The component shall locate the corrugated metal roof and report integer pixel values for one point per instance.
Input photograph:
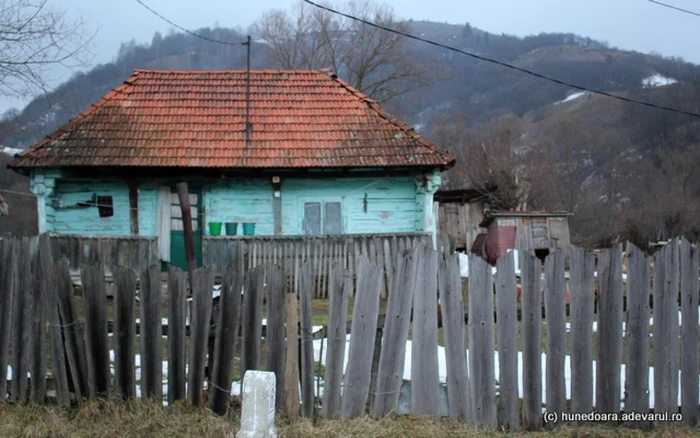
(300, 119)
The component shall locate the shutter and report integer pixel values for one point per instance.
(312, 218)
(332, 222)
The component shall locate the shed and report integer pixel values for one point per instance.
(459, 214)
(536, 232)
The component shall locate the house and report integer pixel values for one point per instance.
(536, 232)
(302, 153)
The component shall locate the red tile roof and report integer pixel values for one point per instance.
(300, 119)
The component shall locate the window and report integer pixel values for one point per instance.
(323, 217)
(105, 207)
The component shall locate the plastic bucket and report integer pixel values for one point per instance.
(215, 228)
(231, 228)
(249, 229)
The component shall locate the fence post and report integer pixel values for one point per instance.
(458, 388)
(689, 335)
(666, 354)
(532, 341)
(252, 320)
(391, 360)
(637, 332)
(507, 317)
(275, 327)
(21, 332)
(177, 331)
(308, 402)
(9, 262)
(95, 296)
(226, 337)
(582, 302)
(203, 283)
(364, 326)
(481, 363)
(609, 330)
(124, 331)
(291, 366)
(425, 379)
(555, 317)
(151, 335)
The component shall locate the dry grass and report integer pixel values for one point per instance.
(111, 418)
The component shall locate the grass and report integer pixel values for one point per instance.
(112, 418)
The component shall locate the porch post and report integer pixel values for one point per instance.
(43, 188)
(427, 190)
(277, 204)
(134, 205)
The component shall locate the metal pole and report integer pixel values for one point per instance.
(247, 95)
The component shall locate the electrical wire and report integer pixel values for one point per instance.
(245, 43)
(502, 64)
(675, 7)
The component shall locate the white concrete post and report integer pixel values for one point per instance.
(258, 411)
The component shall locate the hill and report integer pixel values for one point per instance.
(550, 118)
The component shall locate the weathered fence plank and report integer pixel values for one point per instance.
(666, 354)
(364, 326)
(37, 352)
(275, 327)
(340, 288)
(609, 330)
(398, 311)
(177, 296)
(689, 334)
(252, 320)
(458, 392)
(9, 271)
(22, 326)
(582, 303)
(532, 341)
(226, 337)
(507, 317)
(637, 332)
(291, 365)
(481, 363)
(425, 380)
(307, 347)
(74, 340)
(125, 331)
(95, 295)
(202, 285)
(58, 355)
(151, 335)
(555, 317)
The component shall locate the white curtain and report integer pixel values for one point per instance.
(163, 223)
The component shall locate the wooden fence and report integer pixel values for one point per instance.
(36, 300)
(137, 252)
(322, 252)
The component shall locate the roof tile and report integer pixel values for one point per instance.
(300, 119)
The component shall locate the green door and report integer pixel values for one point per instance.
(177, 234)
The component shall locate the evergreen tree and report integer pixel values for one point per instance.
(467, 31)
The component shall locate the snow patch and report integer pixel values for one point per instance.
(10, 151)
(657, 80)
(571, 97)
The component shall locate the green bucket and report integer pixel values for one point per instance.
(215, 228)
(231, 228)
(249, 229)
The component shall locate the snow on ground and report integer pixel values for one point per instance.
(571, 97)
(10, 151)
(657, 80)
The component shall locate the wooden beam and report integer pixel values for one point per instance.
(277, 204)
(134, 205)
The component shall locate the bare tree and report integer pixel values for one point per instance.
(376, 62)
(35, 37)
(491, 161)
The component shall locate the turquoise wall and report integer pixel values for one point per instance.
(369, 205)
(86, 220)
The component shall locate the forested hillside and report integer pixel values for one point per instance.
(545, 145)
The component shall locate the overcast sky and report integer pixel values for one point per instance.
(628, 24)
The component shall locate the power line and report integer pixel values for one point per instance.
(502, 64)
(189, 31)
(675, 7)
